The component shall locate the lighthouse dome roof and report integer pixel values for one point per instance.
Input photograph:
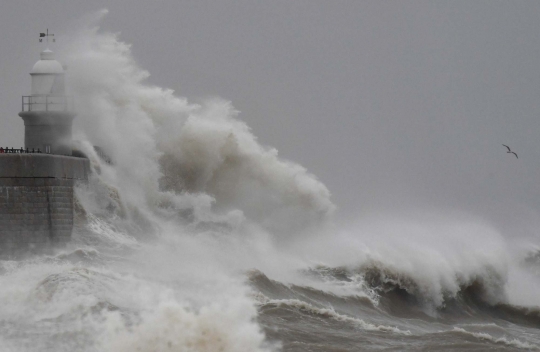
(47, 64)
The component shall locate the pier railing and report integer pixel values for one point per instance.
(47, 103)
(12, 150)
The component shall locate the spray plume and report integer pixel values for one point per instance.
(168, 151)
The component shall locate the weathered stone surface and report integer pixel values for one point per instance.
(49, 167)
(35, 213)
(36, 200)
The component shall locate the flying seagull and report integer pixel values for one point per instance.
(510, 151)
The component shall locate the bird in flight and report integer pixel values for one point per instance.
(510, 151)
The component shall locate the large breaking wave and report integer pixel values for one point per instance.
(167, 151)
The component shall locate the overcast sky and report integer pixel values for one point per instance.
(392, 104)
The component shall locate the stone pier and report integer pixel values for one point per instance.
(36, 200)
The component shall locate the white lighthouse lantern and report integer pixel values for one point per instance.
(47, 112)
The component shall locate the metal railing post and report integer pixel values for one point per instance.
(27, 102)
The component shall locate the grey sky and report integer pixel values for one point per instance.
(392, 104)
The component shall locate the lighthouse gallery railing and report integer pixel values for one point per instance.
(47, 103)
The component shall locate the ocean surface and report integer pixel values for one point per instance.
(207, 290)
(191, 236)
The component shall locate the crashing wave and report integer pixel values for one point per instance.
(500, 340)
(327, 313)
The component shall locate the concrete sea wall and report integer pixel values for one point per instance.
(35, 212)
(36, 200)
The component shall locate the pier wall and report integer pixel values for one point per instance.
(36, 200)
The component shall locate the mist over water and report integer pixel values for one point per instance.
(195, 237)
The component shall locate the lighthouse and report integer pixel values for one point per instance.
(48, 112)
(37, 182)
